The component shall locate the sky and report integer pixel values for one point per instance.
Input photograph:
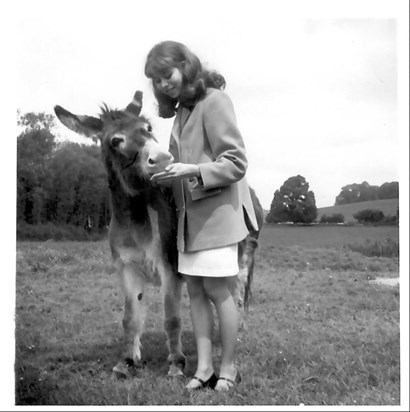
(314, 84)
(319, 87)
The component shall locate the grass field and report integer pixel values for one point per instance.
(318, 332)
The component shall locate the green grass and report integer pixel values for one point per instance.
(387, 206)
(324, 236)
(318, 331)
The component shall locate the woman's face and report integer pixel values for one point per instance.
(170, 84)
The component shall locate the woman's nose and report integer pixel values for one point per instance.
(164, 83)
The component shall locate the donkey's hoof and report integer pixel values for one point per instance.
(175, 372)
(180, 377)
(125, 369)
(176, 376)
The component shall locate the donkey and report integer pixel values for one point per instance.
(143, 226)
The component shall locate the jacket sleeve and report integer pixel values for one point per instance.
(225, 141)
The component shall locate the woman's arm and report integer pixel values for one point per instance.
(225, 141)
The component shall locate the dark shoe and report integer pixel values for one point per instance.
(210, 383)
(224, 384)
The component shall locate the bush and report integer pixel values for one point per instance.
(335, 218)
(369, 216)
(52, 231)
(390, 220)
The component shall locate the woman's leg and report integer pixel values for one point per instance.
(218, 291)
(202, 321)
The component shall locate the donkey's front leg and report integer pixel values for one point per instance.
(132, 283)
(172, 289)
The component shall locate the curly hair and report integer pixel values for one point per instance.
(168, 55)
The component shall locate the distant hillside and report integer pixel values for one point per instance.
(387, 206)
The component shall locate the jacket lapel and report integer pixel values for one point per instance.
(180, 120)
(184, 117)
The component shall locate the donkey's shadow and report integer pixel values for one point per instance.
(101, 357)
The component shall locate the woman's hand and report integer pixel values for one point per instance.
(176, 171)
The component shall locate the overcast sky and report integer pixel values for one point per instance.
(314, 84)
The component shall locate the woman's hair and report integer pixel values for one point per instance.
(168, 55)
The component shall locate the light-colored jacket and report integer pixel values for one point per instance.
(211, 214)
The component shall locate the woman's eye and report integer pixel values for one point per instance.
(167, 76)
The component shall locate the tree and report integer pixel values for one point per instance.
(293, 202)
(34, 148)
(389, 190)
(35, 121)
(368, 192)
(355, 192)
(349, 194)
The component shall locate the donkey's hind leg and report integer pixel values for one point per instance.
(242, 287)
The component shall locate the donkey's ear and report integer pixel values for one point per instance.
(136, 105)
(85, 125)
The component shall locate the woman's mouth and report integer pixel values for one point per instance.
(170, 91)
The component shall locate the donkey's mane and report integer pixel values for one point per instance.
(111, 114)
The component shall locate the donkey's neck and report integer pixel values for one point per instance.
(129, 205)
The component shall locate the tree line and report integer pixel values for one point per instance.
(64, 185)
(294, 202)
(362, 192)
(60, 184)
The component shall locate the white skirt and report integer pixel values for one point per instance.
(219, 262)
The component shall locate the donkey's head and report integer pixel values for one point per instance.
(131, 152)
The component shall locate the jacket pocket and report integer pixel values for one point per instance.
(197, 193)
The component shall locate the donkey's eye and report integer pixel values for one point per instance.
(149, 128)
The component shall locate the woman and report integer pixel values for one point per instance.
(215, 210)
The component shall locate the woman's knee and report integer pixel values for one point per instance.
(195, 286)
(216, 288)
